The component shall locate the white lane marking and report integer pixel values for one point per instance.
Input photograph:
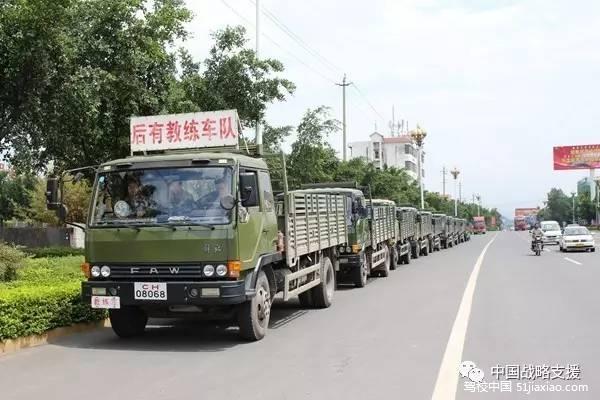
(573, 261)
(447, 380)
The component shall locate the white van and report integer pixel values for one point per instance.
(552, 232)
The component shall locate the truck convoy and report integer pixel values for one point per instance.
(191, 229)
(479, 226)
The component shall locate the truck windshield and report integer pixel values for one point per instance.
(173, 196)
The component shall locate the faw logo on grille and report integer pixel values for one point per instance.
(154, 270)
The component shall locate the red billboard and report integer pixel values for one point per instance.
(577, 157)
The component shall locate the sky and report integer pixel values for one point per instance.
(496, 84)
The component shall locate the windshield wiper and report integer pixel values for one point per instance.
(209, 226)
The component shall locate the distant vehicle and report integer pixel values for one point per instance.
(552, 232)
(520, 223)
(576, 237)
(512, 228)
(479, 225)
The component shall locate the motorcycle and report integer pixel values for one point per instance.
(537, 245)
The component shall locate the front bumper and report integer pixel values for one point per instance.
(178, 293)
(579, 245)
(550, 239)
(349, 262)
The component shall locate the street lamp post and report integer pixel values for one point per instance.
(478, 197)
(573, 197)
(455, 173)
(418, 136)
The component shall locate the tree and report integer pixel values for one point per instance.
(559, 207)
(312, 159)
(585, 209)
(76, 70)
(14, 193)
(77, 199)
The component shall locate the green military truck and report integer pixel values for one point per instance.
(440, 229)
(371, 234)
(199, 233)
(407, 220)
(424, 233)
(460, 229)
(453, 229)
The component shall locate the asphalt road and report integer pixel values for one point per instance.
(401, 337)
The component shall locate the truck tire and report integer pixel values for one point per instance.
(322, 294)
(385, 272)
(128, 321)
(394, 261)
(253, 316)
(305, 299)
(415, 250)
(425, 251)
(407, 258)
(360, 274)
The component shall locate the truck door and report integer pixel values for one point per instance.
(250, 232)
(269, 229)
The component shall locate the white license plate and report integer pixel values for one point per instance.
(343, 260)
(106, 302)
(150, 291)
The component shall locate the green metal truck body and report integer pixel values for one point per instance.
(407, 220)
(223, 252)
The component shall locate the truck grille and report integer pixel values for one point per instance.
(156, 272)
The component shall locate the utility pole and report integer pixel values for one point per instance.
(258, 122)
(343, 85)
(459, 191)
(444, 181)
(478, 205)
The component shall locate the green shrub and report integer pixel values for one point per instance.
(34, 309)
(11, 260)
(53, 251)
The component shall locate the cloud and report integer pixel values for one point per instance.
(495, 83)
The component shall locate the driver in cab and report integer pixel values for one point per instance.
(212, 201)
(179, 198)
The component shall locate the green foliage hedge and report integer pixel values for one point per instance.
(45, 295)
(32, 310)
(11, 260)
(54, 251)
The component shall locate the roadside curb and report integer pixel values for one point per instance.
(13, 345)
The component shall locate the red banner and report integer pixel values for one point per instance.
(577, 157)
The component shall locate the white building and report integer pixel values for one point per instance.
(396, 151)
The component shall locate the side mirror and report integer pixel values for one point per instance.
(52, 202)
(228, 202)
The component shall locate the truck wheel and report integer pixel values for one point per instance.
(385, 272)
(425, 251)
(305, 299)
(394, 257)
(415, 250)
(128, 322)
(253, 315)
(359, 275)
(407, 258)
(322, 294)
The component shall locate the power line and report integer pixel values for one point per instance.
(368, 102)
(278, 45)
(281, 25)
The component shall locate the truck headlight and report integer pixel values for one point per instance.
(208, 270)
(221, 270)
(105, 271)
(95, 271)
(341, 249)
